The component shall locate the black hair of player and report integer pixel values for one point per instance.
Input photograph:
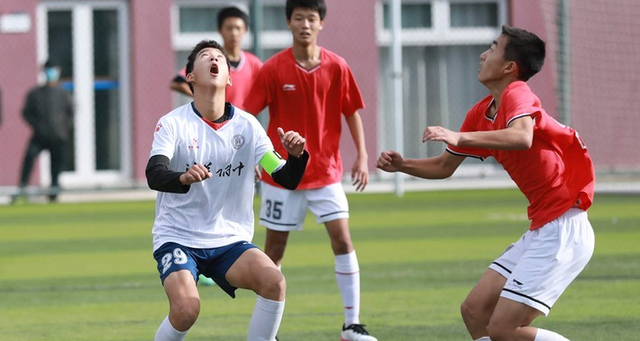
(199, 47)
(314, 5)
(232, 12)
(524, 48)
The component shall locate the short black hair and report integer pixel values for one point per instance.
(524, 48)
(199, 47)
(232, 12)
(314, 5)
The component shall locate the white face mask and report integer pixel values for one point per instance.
(52, 74)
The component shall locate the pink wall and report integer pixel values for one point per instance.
(529, 16)
(604, 71)
(152, 64)
(18, 73)
(151, 69)
(604, 85)
(350, 32)
(605, 80)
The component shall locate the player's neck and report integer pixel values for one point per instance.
(496, 88)
(209, 103)
(307, 56)
(234, 53)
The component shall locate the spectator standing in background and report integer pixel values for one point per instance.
(48, 110)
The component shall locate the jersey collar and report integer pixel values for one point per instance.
(229, 111)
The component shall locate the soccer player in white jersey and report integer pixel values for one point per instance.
(201, 164)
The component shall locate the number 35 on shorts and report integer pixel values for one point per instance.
(274, 209)
(176, 257)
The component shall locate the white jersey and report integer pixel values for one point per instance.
(219, 210)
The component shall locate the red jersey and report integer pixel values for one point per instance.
(310, 102)
(555, 174)
(242, 77)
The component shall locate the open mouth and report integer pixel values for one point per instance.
(214, 69)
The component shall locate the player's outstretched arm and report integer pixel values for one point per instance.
(161, 178)
(517, 136)
(439, 167)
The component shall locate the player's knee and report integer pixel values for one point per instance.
(498, 332)
(341, 246)
(273, 286)
(184, 313)
(468, 312)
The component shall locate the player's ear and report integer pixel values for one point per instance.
(229, 81)
(511, 67)
(189, 77)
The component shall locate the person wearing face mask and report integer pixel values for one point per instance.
(48, 110)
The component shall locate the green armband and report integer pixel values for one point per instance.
(271, 161)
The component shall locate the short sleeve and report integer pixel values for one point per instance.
(352, 100)
(182, 75)
(518, 101)
(164, 139)
(471, 123)
(259, 96)
(263, 143)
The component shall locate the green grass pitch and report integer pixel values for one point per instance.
(85, 271)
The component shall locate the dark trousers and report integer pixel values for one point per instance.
(56, 148)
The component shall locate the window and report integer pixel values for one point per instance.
(413, 15)
(274, 17)
(441, 45)
(474, 15)
(275, 34)
(198, 19)
(193, 21)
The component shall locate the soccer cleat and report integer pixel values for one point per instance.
(356, 332)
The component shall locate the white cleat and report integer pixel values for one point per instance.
(356, 332)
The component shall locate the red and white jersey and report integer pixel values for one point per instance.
(310, 102)
(219, 210)
(555, 174)
(242, 77)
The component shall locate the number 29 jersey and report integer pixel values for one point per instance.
(217, 211)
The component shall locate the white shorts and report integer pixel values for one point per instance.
(542, 264)
(285, 210)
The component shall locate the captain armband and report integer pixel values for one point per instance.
(271, 162)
